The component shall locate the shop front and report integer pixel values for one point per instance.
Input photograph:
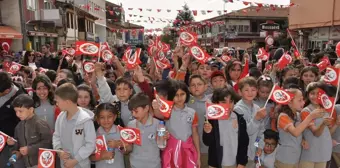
(41, 38)
(8, 36)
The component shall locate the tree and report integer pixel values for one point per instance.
(184, 17)
(166, 37)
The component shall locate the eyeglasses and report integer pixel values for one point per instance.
(268, 145)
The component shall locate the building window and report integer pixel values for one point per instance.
(47, 4)
(68, 20)
(31, 5)
(72, 20)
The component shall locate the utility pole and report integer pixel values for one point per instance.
(225, 25)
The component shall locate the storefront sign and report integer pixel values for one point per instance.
(270, 26)
(324, 33)
(335, 33)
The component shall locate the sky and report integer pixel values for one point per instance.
(175, 5)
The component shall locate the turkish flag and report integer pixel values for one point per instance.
(6, 44)
(88, 48)
(194, 12)
(198, 53)
(130, 135)
(226, 58)
(187, 38)
(46, 158)
(332, 76)
(105, 52)
(281, 96)
(3, 140)
(131, 58)
(337, 49)
(262, 54)
(284, 61)
(217, 111)
(325, 101)
(165, 106)
(14, 68)
(100, 145)
(324, 62)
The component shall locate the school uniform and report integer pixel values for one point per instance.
(113, 134)
(46, 112)
(76, 136)
(148, 154)
(180, 142)
(269, 108)
(320, 148)
(199, 106)
(228, 142)
(255, 128)
(268, 160)
(289, 151)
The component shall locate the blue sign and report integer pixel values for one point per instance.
(134, 37)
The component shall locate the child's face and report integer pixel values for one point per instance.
(298, 102)
(23, 113)
(218, 82)
(313, 96)
(248, 92)
(205, 71)
(270, 145)
(289, 73)
(42, 91)
(180, 97)
(197, 87)
(264, 92)
(84, 98)
(140, 112)
(227, 100)
(308, 77)
(123, 92)
(106, 119)
(61, 76)
(62, 104)
(235, 72)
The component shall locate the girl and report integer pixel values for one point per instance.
(105, 115)
(264, 86)
(183, 147)
(317, 134)
(85, 97)
(228, 146)
(64, 74)
(233, 71)
(308, 74)
(44, 99)
(290, 128)
(29, 60)
(198, 86)
(288, 71)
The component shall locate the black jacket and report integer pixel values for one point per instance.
(52, 63)
(8, 118)
(215, 152)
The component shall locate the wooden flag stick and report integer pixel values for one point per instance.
(8, 136)
(290, 35)
(271, 92)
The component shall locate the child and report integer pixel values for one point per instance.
(74, 134)
(253, 115)
(271, 139)
(227, 139)
(148, 153)
(308, 74)
(264, 86)
(85, 97)
(290, 130)
(233, 72)
(106, 114)
(198, 86)
(38, 135)
(183, 148)
(44, 99)
(218, 80)
(317, 134)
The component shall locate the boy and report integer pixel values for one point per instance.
(218, 80)
(271, 139)
(124, 90)
(253, 115)
(148, 153)
(31, 133)
(74, 134)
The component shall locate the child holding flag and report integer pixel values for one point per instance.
(29, 140)
(227, 139)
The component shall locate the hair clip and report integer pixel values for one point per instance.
(265, 78)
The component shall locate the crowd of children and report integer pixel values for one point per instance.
(69, 108)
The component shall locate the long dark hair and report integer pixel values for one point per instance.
(88, 89)
(47, 82)
(27, 54)
(231, 64)
(313, 69)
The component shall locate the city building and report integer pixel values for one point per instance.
(316, 24)
(242, 28)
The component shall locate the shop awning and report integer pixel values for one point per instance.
(7, 32)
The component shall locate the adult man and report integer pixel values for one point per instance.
(49, 60)
(8, 118)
